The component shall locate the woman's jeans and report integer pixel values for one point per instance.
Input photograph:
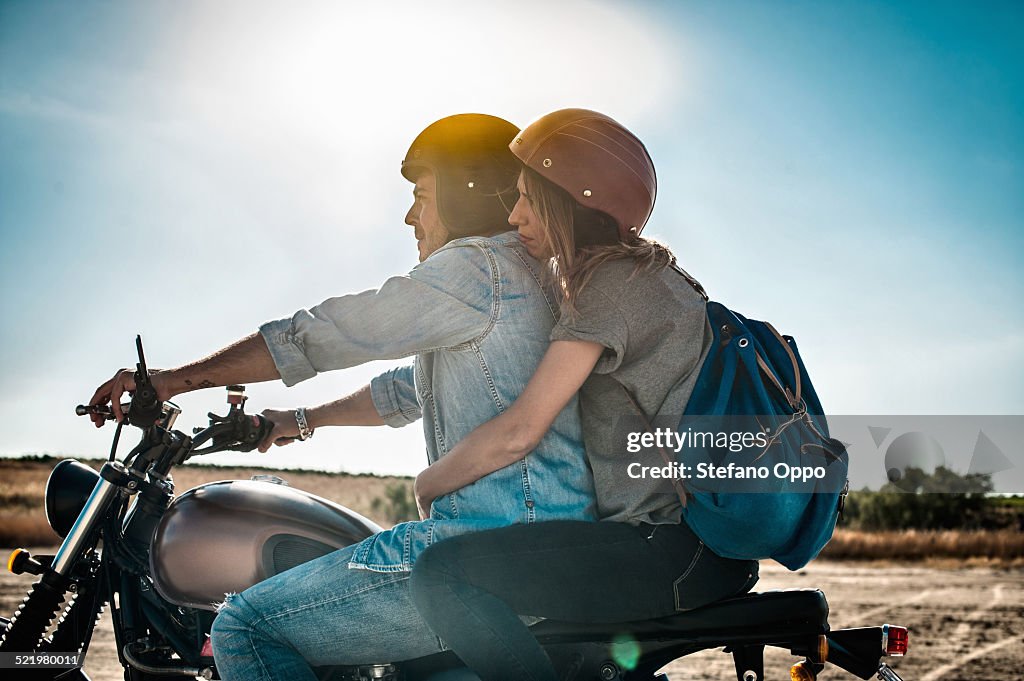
(471, 588)
(319, 613)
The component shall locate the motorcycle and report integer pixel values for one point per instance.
(161, 564)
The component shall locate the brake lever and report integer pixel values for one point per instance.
(237, 431)
(145, 406)
(253, 429)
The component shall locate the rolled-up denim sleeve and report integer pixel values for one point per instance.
(447, 300)
(394, 397)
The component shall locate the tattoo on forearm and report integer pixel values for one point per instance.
(188, 382)
(206, 384)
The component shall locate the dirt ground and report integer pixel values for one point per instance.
(965, 624)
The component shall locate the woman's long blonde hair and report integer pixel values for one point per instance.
(582, 239)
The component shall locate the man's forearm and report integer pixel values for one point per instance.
(356, 409)
(247, 361)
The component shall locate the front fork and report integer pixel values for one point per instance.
(29, 624)
(113, 478)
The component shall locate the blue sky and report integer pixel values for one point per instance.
(850, 171)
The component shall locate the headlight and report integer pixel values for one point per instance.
(67, 490)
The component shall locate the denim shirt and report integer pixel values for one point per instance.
(477, 317)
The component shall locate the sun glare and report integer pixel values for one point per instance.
(341, 75)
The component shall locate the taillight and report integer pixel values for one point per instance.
(895, 640)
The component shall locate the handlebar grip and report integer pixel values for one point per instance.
(263, 427)
(105, 412)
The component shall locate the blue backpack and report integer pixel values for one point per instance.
(779, 492)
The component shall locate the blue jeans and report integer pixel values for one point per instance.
(470, 588)
(319, 613)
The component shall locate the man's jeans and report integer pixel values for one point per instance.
(319, 613)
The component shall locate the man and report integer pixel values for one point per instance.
(476, 315)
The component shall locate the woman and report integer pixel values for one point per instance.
(632, 328)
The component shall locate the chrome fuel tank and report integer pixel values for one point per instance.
(223, 537)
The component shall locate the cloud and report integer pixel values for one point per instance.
(29, 105)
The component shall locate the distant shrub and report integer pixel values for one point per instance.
(942, 500)
(398, 503)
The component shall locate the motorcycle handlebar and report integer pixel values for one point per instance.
(237, 431)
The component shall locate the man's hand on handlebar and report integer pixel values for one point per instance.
(122, 382)
(285, 430)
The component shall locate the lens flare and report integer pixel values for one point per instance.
(625, 651)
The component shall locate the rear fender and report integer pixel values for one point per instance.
(858, 651)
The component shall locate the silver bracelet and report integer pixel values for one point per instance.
(305, 432)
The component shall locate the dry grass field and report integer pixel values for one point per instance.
(982, 547)
(23, 521)
(22, 484)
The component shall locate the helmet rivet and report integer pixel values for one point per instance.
(470, 185)
(587, 192)
(547, 163)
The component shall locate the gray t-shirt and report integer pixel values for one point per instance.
(655, 331)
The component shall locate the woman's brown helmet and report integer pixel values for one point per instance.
(599, 162)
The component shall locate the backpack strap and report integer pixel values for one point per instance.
(792, 396)
(691, 281)
(677, 484)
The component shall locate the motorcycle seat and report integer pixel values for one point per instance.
(803, 609)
